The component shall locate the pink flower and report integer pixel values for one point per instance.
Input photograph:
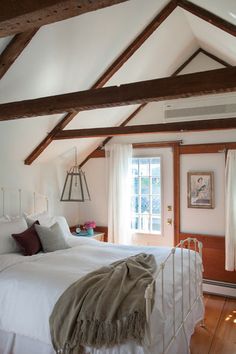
(89, 225)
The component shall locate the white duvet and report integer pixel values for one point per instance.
(30, 286)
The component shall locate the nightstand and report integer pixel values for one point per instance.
(99, 236)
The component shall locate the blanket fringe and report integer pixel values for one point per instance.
(104, 333)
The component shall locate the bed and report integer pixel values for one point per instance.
(30, 286)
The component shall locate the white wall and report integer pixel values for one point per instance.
(18, 138)
(203, 221)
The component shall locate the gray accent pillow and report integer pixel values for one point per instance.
(51, 238)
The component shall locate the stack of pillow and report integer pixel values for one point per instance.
(33, 233)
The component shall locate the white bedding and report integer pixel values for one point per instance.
(30, 286)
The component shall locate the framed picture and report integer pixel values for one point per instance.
(201, 190)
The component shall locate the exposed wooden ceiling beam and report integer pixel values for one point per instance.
(214, 57)
(95, 153)
(123, 124)
(209, 124)
(188, 85)
(19, 16)
(112, 69)
(14, 49)
(208, 16)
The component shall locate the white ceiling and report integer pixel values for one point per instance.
(71, 55)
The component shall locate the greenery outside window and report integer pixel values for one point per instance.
(146, 195)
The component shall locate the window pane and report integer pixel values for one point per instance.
(134, 223)
(145, 204)
(145, 223)
(145, 182)
(156, 185)
(156, 205)
(135, 189)
(144, 167)
(134, 204)
(156, 224)
(135, 167)
(155, 167)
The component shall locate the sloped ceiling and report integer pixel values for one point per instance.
(70, 55)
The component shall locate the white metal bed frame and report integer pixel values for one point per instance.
(197, 245)
(197, 249)
(35, 195)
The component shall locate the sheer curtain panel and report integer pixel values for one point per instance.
(230, 222)
(119, 162)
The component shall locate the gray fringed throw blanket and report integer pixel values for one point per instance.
(104, 308)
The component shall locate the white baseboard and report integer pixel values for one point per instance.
(219, 288)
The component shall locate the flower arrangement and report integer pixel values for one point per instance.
(89, 225)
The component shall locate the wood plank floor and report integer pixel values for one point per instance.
(219, 334)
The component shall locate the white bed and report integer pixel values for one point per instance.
(30, 286)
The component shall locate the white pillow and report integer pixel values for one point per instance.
(61, 220)
(46, 220)
(43, 218)
(52, 238)
(7, 228)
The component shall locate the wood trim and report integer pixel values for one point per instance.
(188, 85)
(208, 16)
(214, 57)
(210, 124)
(213, 257)
(18, 16)
(113, 68)
(98, 153)
(207, 148)
(176, 192)
(14, 49)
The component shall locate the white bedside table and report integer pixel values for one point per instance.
(99, 236)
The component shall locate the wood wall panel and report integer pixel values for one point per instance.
(213, 257)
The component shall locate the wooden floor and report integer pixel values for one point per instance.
(219, 334)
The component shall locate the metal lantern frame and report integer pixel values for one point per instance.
(75, 178)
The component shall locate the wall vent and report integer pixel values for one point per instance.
(218, 106)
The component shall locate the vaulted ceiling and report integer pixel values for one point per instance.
(71, 55)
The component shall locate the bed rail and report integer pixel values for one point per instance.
(15, 201)
(193, 247)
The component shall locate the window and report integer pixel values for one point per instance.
(146, 195)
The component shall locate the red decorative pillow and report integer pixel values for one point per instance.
(28, 240)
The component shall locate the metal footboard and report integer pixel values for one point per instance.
(188, 251)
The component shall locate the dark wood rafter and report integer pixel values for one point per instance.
(113, 68)
(201, 125)
(181, 67)
(105, 141)
(207, 148)
(19, 16)
(14, 49)
(214, 57)
(126, 121)
(188, 85)
(95, 153)
(208, 16)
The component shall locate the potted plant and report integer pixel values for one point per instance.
(89, 226)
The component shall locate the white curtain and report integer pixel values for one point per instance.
(230, 222)
(118, 162)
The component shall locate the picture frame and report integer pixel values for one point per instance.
(201, 190)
